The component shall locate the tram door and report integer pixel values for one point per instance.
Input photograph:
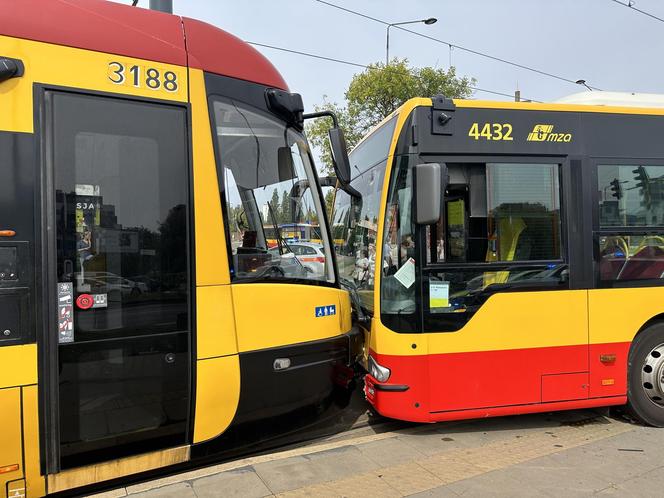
(118, 228)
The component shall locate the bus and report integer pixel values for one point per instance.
(143, 322)
(303, 232)
(509, 257)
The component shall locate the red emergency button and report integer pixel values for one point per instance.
(85, 301)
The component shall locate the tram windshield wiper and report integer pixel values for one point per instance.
(350, 286)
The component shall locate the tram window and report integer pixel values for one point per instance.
(121, 212)
(630, 195)
(264, 165)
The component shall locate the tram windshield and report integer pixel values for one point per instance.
(263, 164)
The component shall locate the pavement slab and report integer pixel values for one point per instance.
(577, 453)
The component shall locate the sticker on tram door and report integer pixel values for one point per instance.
(65, 312)
(329, 310)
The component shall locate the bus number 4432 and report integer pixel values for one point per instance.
(491, 131)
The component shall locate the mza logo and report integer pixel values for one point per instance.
(326, 310)
(545, 133)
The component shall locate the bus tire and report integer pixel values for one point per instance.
(645, 377)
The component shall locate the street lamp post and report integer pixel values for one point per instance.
(583, 83)
(430, 20)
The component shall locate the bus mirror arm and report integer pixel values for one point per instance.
(430, 181)
(338, 146)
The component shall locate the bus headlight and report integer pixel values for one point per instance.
(378, 372)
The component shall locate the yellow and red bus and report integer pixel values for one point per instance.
(303, 232)
(514, 257)
(143, 321)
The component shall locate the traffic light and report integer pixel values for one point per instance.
(643, 182)
(616, 189)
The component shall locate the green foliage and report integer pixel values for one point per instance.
(329, 202)
(377, 92)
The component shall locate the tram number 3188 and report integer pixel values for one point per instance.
(139, 77)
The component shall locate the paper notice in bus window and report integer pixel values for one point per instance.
(406, 274)
(439, 296)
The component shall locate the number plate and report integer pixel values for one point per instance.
(145, 77)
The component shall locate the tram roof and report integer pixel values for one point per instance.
(110, 27)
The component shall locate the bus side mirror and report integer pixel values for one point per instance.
(429, 180)
(340, 155)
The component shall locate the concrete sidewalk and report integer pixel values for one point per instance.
(578, 453)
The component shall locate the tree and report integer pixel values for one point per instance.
(329, 201)
(285, 210)
(274, 208)
(377, 92)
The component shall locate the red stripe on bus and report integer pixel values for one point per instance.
(501, 382)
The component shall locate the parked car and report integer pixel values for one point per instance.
(311, 255)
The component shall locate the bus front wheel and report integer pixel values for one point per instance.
(645, 391)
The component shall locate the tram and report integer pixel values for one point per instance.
(143, 321)
(509, 257)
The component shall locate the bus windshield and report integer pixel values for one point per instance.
(355, 219)
(262, 162)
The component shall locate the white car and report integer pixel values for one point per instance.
(311, 256)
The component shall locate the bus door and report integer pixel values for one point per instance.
(506, 329)
(503, 327)
(118, 300)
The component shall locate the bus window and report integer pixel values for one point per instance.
(399, 243)
(499, 212)
(503, 217)
(630, 196)
(355, 220)
(262, 162)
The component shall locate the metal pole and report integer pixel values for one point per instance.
(387, 46)
(162, 5)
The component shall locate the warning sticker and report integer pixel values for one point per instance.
(65, 312)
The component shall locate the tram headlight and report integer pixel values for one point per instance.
(378, 372)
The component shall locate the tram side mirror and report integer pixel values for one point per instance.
(429, 182)
(10, 68)
(340, 155)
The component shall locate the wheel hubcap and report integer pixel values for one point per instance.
(652, 375)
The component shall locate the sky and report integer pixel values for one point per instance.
(608, 45)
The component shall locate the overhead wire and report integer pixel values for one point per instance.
(630, 5)
(455, 46)
(365, 66)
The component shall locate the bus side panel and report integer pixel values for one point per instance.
(615, 317)
(501, 357)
